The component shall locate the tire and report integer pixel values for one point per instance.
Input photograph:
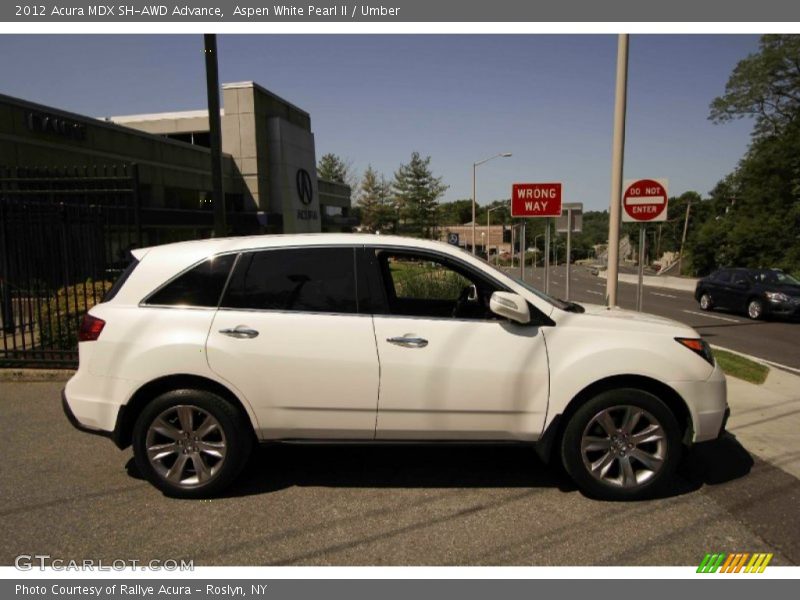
(610, 446)
(191, 466)
(706, 302)
(755, 309)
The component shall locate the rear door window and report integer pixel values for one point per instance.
(295, 279)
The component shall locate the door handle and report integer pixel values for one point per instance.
(240, 332)
(408, 342)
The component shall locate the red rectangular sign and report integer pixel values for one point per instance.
(536, 200)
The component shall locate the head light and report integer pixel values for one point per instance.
(777, 297)
(699, 346)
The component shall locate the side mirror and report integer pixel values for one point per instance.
(511, 306)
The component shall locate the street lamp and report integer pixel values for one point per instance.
(475, 166)
(488, 225)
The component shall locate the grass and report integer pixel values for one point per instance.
(741, 367)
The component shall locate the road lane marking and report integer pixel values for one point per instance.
(593, 292)
(694, 312)
(663, 295)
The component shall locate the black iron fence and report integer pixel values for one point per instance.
(65, 234)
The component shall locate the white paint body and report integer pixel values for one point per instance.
(333, 376)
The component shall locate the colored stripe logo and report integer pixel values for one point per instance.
(739, 562)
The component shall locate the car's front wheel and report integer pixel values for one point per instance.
(622, 444)
(706, 302)
(755, 309)
(190, 443)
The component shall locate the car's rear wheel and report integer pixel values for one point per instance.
(755, 309)
(706, 302)
(190, 443)
(622, 444)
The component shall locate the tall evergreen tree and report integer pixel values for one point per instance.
(375, 202)
(417, 191)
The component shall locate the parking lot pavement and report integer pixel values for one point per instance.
(75, 496)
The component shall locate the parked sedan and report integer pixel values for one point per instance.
(758, 293)
(208, 347)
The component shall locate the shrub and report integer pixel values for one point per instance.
(62, 314)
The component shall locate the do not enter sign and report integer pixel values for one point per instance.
(645, 200)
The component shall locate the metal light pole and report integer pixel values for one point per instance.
(683, 237)
(475, 166)
(617, 155)
(215, 134)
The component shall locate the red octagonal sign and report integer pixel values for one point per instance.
(645, 200)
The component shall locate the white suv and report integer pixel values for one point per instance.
(204, 348)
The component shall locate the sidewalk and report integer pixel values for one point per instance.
(766, 418)
(685, 284)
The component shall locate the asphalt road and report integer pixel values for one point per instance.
(775, 341)
(75, 496)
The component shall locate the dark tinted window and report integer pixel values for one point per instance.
(199, 286)
(298, 279)
(722, 276)
(121, 280)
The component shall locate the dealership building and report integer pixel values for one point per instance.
(268, 163)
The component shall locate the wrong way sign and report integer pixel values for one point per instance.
(644, 201)
(536, 200)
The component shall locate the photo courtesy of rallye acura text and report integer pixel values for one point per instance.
(204, 348)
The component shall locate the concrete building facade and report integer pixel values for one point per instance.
(269, 159)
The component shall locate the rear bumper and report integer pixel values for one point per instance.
(88, 404)
(113, 435)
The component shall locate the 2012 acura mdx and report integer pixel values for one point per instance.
(204, 348)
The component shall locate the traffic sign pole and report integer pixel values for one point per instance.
(522, 252)
(569, 248)
(642, 243)
(546, 256)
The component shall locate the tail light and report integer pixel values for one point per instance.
(698, 346)
(90, 329)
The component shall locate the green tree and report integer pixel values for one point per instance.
(765, 86)
(753, 216)
(375, 202)
(417, 191)
(335, 168)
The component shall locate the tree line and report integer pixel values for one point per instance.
(750, 219)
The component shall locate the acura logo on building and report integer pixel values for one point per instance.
(304, 188)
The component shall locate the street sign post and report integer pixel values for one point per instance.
(570, 221)
(644, 201)
(537, 200)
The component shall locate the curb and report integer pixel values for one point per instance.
(34, 375)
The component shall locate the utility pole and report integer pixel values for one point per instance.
(617, 161)
(215, 134)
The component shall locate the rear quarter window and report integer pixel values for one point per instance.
(200, 286)
(120, 281)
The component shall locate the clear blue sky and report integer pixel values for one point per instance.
(458, 98)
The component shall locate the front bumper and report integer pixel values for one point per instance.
(708, 405)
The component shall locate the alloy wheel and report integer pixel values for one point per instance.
(624, 446)
(186, 445)
(705, 302)
(754, 309)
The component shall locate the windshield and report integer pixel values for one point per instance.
(777, 277)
